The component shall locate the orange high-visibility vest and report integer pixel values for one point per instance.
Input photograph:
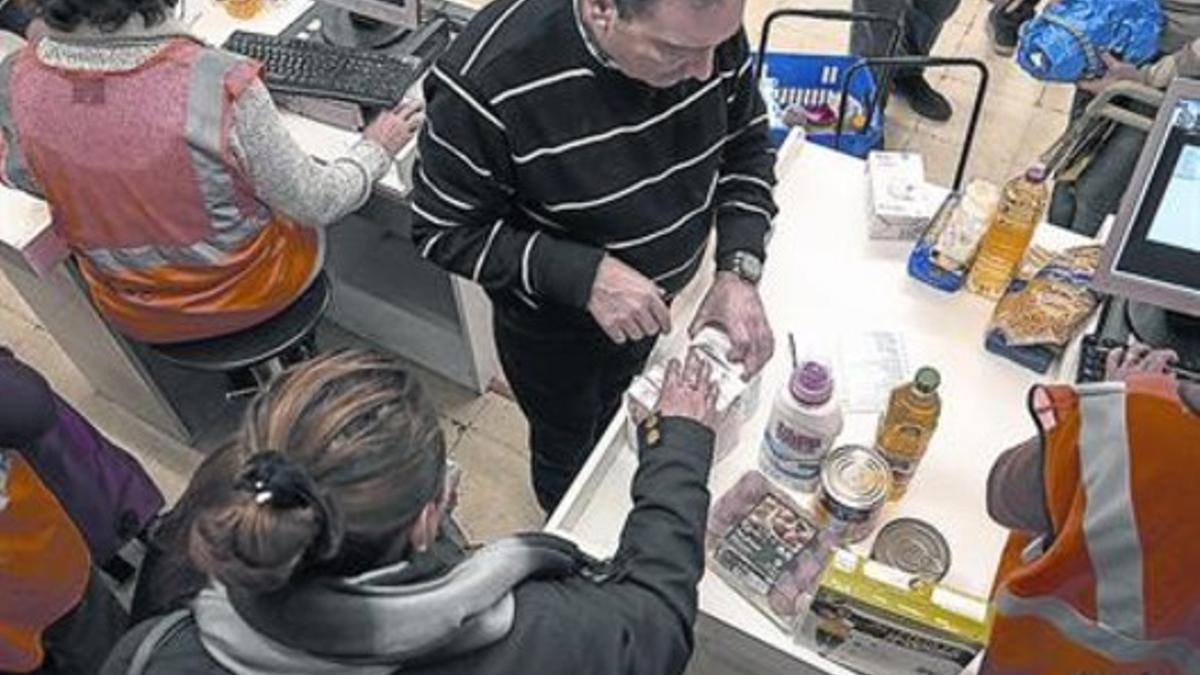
(44, 567)
(1117, 590)
(145, 190)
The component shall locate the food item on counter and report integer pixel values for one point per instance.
(766, 547)
(902, 203)
(965, 226)
(1008, 235)
(736, 398)
(1036, 320)
(855, 483)
(805, 421)
(907, 426)
(913, 546)
(942, 256)
(1035, 259)
(878, 620)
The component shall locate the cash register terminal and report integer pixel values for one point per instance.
(1151, 262)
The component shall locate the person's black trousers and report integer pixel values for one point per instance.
(921, 23)
(568, 379)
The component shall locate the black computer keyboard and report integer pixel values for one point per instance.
(307, 68)
(1093, 360)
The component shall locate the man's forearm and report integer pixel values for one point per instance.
(1183, 63)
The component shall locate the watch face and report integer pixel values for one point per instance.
(749, 267)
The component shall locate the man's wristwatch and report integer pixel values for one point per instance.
(746, 265)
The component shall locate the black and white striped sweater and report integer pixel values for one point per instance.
(537, 158)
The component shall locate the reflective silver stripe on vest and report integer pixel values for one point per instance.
(15, 166)
(1109, 525)
(205, 136)
(140, 258)
(231, 229)
(1100, 639)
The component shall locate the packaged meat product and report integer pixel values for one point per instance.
(766, 547)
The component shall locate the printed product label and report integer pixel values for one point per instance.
(788, 463)
(902, 468)
(786, 438)
(764, 544)
(872, 640)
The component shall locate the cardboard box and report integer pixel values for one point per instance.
(878, 620)
(902, 203)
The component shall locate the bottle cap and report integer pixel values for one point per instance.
(927, 380)
(811, 383)
(1036, 173)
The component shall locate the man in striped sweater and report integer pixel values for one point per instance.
(576, 158)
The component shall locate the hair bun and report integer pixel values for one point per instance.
(277, 482)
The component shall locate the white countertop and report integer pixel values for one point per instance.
(825, 277)
(24, 221)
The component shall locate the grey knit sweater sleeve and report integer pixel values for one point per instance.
(287, 178)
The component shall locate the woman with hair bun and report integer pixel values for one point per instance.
(314, 545)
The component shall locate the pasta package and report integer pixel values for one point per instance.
(1038, 317)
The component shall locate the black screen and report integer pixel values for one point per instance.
(1164, 241)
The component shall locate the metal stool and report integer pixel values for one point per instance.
(265, 349)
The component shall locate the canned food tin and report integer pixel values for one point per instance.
(913, 546)
(855, 483)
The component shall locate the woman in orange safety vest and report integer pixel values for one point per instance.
(1102, 573)
(170, 176)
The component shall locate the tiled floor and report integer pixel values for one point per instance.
(488, 435)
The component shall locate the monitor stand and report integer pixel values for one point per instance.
(1164, 329)
(343, 28)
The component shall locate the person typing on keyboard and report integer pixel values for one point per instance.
(190, 209)
(1100, 502)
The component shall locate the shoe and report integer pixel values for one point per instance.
(1004, 28)
(925, 101)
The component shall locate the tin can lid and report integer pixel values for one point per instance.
(913, 546)
(856, 476)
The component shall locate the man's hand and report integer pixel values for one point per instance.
(688, 391)
(1138, 359)
(734, 306)
(1118, 71)
(627, 305)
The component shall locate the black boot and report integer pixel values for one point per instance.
(925, 101)
(1004, 25)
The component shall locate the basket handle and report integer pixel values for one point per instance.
(822, 15)
(922, 63)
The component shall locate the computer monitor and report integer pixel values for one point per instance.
(368, 24)
(1152, 257)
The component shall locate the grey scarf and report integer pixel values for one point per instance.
(380, 621)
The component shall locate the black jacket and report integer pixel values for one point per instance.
(637, 622)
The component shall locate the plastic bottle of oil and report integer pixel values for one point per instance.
(1009, 234)
(907, 425)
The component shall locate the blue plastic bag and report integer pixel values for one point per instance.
(1066, 41)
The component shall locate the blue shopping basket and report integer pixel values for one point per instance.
(815, 79)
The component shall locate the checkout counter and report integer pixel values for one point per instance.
(383, 291)
(824, 276)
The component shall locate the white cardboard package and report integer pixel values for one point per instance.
(902, 203)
